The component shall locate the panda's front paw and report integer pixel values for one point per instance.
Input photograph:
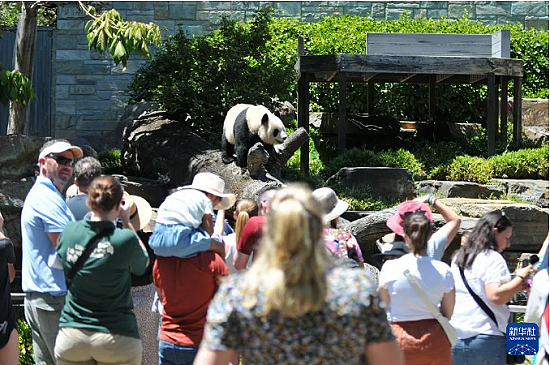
(227, 159)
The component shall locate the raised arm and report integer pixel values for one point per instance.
(453, 220)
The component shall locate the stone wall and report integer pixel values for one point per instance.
(90, 93)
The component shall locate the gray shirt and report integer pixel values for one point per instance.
(77, 205)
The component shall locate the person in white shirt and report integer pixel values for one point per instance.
(481, 338)
(418, 333)
(244, 209)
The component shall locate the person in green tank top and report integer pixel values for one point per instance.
(97, 323)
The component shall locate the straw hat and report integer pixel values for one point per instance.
(331, 206)
(140, 211)
(213, 184)
(395, 223)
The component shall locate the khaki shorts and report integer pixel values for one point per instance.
(78, 346)
(42, 311)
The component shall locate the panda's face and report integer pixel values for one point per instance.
(276, 131)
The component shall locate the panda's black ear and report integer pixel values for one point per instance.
(265, 118)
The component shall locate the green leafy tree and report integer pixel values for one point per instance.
(106, 30)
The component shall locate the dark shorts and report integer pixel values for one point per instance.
(6, 327)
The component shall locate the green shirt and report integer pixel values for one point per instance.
(99, 298)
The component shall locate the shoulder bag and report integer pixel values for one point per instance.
(92, 243)
(510, 359)
(450, 331)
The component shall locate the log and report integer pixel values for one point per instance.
(159, 148)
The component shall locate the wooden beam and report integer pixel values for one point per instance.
(491, 115)
(370, 97)
(303, 108)
(431, 94)
(442, 77)
(329, 76)
(303, 120)
(412, 64)
(342, 117)
(504, 107)
(407, 77)
(368, 76)
(517, 111)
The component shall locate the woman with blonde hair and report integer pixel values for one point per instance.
(245, 209)
(292, 306)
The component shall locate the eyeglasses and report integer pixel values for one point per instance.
(62, 160)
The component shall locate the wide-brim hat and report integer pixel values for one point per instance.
(140, 211)
(395, 223)
(331, 206)
(59, 147)
(391, 244)
(213, 184)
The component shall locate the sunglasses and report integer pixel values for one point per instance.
(62, 160)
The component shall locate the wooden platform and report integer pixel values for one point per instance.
(416, 69)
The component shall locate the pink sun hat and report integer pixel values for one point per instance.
(395, 223)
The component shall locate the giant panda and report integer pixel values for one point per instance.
(244, 126)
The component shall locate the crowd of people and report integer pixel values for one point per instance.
(284, 284)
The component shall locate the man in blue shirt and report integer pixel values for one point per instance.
(44, 216)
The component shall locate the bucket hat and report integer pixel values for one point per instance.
(140, 211)
(331, 206)
(213, 184)
(397, 248)
(395, 223)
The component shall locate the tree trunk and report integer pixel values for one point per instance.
(24, 62)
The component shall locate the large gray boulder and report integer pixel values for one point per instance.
(19, 155)
(532, 191)
(530, 223)
(12, 196)
(382, 182)
(460, 189)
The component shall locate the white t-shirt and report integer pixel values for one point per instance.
(433, 276)
(437, 245)
(468, 317)
(230, 248)
(186, 207)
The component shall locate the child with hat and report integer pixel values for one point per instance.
(184, 221)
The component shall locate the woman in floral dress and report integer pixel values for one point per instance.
(293, 306)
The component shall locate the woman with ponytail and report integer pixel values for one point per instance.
(244, 209)
(418, 333)
(292, 306)
(97, 323)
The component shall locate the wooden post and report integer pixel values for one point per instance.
(303, 110)
(504, 106)
(517, 111)
(370, 97)
(431, 111)
(491, 115)
(342, 117)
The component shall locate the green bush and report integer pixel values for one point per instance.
(470, 168)
(361, 199)
(529, 163)
(356, 157)
(522, 164)
(25, 343)
(197, 80)
(110, 161)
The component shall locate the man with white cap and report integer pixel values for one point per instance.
(44, 216)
